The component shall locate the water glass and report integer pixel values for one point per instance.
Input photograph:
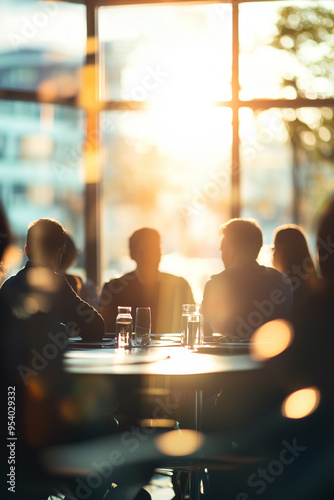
(124, 326)
(143, 326)
(186, 310)
(194, 332)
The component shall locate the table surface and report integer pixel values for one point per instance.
(160, 358)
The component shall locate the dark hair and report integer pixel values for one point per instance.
(44, 237)
(144, 233)
(245, 235)
(5, 234)
(291, 242)
(325, 240)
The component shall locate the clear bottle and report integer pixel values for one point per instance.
(124, 326)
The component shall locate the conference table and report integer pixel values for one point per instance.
(163, 368)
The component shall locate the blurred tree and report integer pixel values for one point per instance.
(306, 35)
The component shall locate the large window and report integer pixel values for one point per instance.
(189, 113)
(41, 167)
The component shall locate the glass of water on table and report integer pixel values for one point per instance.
(194, 332)
(187, 310)
(143, 326)
(124, 326)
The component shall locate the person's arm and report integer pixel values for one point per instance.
(108, 308)
(87, 322)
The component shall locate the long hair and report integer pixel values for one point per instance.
(291, 243)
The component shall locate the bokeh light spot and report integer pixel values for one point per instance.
(179, 443)
(271, 339)
(301, 403)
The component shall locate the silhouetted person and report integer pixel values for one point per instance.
(146, 286)
(50, 407)
(245, 295)
(291, 256)
(291, 458)
(310, 354)
(41, 298)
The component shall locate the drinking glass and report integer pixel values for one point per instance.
(186, 310)
(194, 332)
(143, 326)
(123, 326)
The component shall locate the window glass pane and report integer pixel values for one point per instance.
(169, 52)
(42, 46)
(169, 170)
(286, 49)
(41, 172)
(287, 161)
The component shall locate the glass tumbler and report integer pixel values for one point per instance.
(124, 326)
(187, 309)
(143, 326)
(194, 332)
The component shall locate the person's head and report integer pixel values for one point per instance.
(69, 254)
(241, 241)
(145, 250)
(325, 241)
(291, 249)
(45, 243)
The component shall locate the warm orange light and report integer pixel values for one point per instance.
(87, 95)
(30, 306)
(179, 443)
(91, 45)
(58, 88)
(47, 90)
(271, 339)
(12, 257)
(301, 403)
(43, 279)
(36, 389)
(68, 410)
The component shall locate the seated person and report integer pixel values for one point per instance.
(51, 405)
(252, 406)
(39, 297)
(146, 286)
(245, 295)
(291, 256)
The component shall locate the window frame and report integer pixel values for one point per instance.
(94, 105)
